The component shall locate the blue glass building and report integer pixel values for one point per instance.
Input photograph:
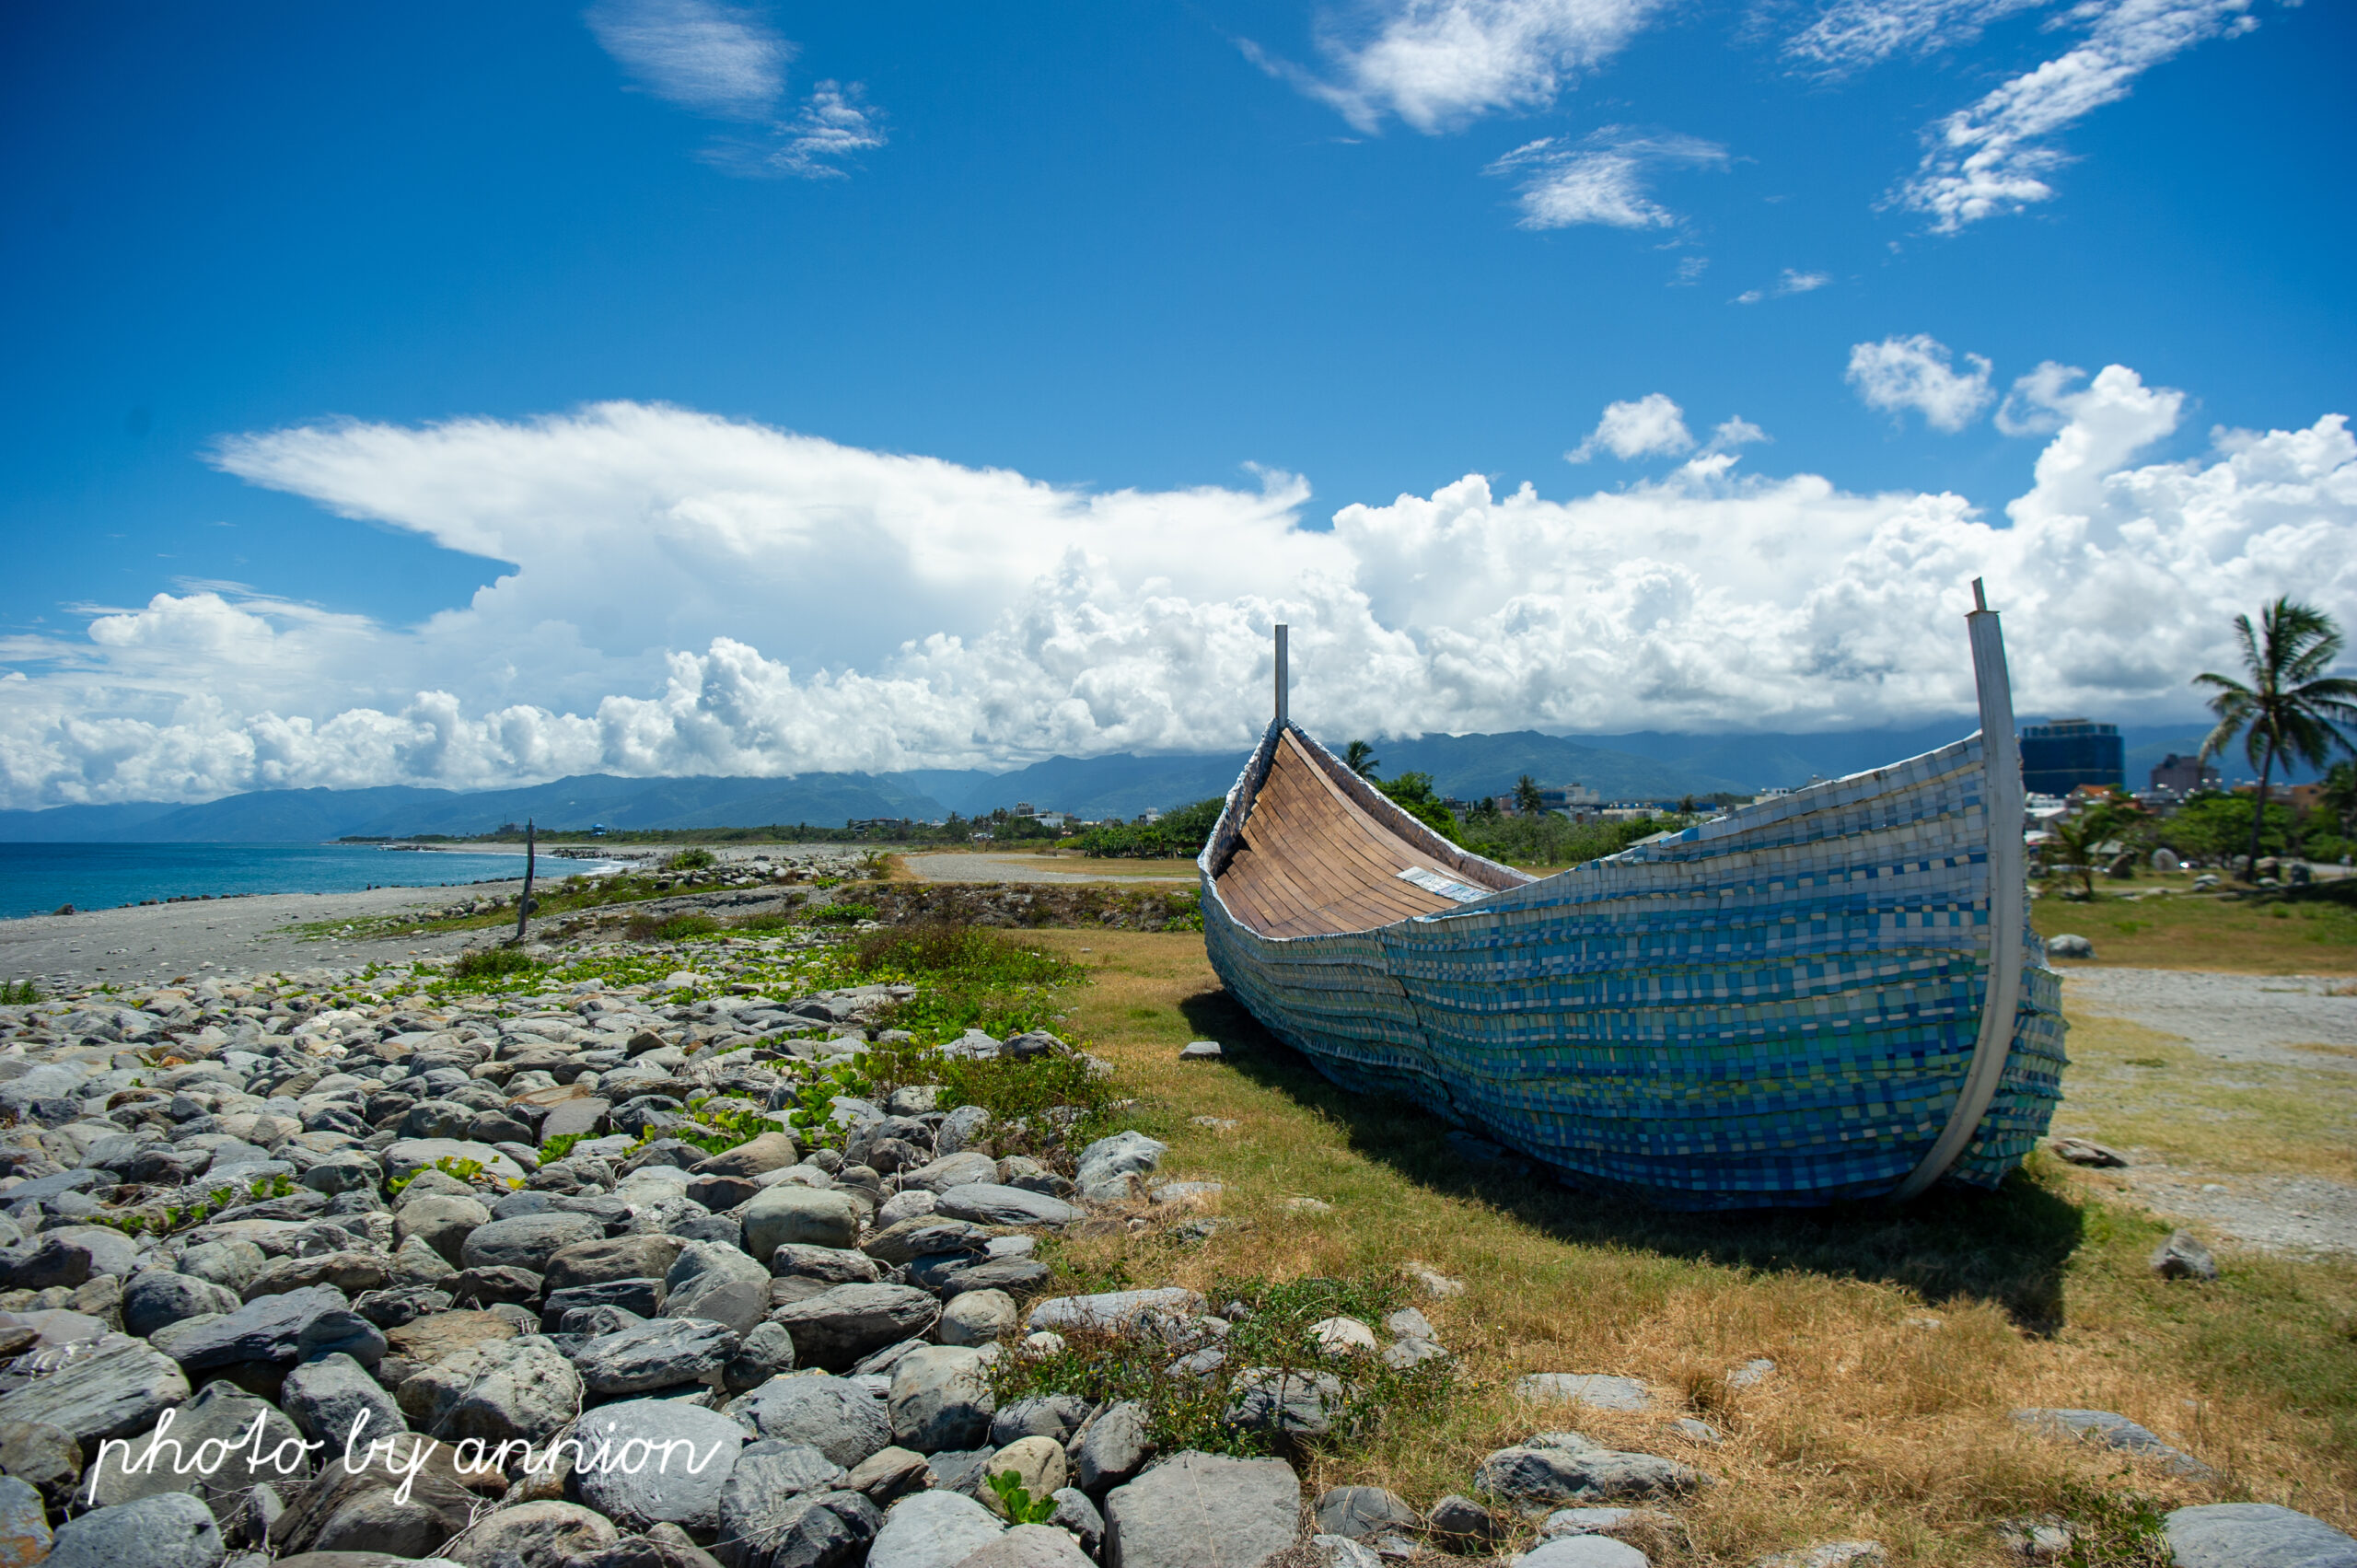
(2058, 758)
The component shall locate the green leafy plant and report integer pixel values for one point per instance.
(691, 860)
(490, 963)
(842, 914)
(671, 928)
(17, 993)
(813, 1113)
(1016, 1503)
(465, 1170)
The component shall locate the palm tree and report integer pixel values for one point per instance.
(1360, 757)
(1525, 796)
(2287, 707)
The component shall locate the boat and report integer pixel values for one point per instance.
(1831, 995)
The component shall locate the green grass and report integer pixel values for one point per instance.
(2159, 921)
(969, 977)
(494, 963)
(19, 993)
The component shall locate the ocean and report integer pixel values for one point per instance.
(37, 878)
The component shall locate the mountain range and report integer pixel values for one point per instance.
(1643, 765)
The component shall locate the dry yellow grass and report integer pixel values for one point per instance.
(1874, 1424)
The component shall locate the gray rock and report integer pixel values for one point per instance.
(837, 1326)
(1462, 1522)
(2182, 1257)
(1359, 1511)
(2068, 947)
(976, 1318)
(156, 1299)
(1077, 1512)
(791, 1214)
(692, 1451)
(41, 1455)
(715, 1280)
(758, 1512)
(1341, 1552)
(1029, 1546)
(889, 1473)
(2112, 1431)
(73, 1255)
(965, 1129)
(531, 1535)
(1114, 1448)
(828, 1265)
(1581, 1551)
(351, 1172)
(933, 1529)
(941, 1399)
(1534, 1478)
(654, 1356)
(120, 1390)
(24, 1523)
(166, 1458)
(2255, 1534)
(616, 1258)
(405, 1156)
(1042, 1415)
(989, 1204)
(1200, 1050)
(1198, 1510)
(952, 1170)
(228, 1264)
(1170, 1312)
(526, 1241)
(494, 1389)
(1288, 1401)
(812, 1530)
(326, 1397)
(639, 1298)
(171, 1529)
(1596, 1391)
(284, 1329)
(762, 1354)
(2086, 1151)
(845, 1421)
(350, 1269)
(365, 1512)
(442, 1221)
(415, 1262)
(1013, 1273)
(1106, 1167)
(924, 1236)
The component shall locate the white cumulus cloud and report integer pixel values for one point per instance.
(1601, 179)
(1650, 426)
(697, 594)
(1919, 373)
(1437, 63)
(1996, 156)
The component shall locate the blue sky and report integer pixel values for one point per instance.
(991, 379)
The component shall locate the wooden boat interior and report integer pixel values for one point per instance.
(1311, 861)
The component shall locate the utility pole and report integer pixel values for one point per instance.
(524, 904)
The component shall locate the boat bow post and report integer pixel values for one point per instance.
(2008, 902)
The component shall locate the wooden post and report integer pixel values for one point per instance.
(1283, 674)
(524, 904)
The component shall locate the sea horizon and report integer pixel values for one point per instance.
(41, 878)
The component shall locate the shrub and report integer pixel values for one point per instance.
(973, 978)
(1180, 835)
(691, 860)
(842, 914)
(487, 963)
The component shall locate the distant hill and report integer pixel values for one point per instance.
(1642, 765)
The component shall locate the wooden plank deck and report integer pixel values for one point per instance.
(1309, 860)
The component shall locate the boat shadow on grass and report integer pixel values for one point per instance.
(2010, 1247)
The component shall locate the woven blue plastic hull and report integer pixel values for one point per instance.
(1774, 1008)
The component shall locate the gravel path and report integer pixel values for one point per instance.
(2234, 1018)
(2243, 1018)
